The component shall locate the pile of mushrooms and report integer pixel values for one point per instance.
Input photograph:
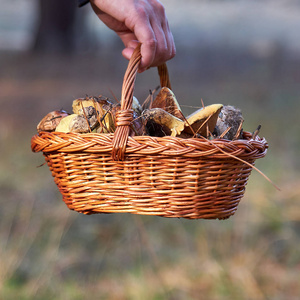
(161, 116)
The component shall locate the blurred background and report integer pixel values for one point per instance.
(239, 52)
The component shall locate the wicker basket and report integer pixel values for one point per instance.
(163, 176)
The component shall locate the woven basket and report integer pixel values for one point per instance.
(163, 176)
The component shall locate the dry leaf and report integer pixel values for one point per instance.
(80, 103)
(97, 111)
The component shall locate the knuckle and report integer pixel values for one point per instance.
(141, 12)
(158, 7)
(168, 53)
(151, 43)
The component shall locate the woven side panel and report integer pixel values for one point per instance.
(153, 185)
(169, 177)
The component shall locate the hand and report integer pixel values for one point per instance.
(137, 21)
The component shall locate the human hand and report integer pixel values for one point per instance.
(139, 21)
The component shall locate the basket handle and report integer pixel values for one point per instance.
(124, 116)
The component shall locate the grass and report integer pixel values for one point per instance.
(48, 252)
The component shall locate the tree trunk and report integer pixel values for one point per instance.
(55, 33)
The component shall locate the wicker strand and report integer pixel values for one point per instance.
(123, 127)
(125, 115)
(164, 76)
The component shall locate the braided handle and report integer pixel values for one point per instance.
(164, 76)
(124, 117)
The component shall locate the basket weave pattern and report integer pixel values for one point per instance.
(168, 176)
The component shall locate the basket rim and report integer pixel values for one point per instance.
(48, 142)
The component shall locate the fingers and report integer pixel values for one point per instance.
(131, 45)
(144, 21)
(150, 27)
(164, 48)
(156, 38)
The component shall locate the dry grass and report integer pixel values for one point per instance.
(48, 252)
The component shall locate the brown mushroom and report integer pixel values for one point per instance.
(202, 121)
(160, 123)
(166, 100)
(51, 120)
(74, 123)
(230, 119)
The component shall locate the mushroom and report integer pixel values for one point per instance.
(230, 119)
(136, 106)
(160, 123)
(166, 100)
(51, 120)
(202, 121)
(73, 123)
